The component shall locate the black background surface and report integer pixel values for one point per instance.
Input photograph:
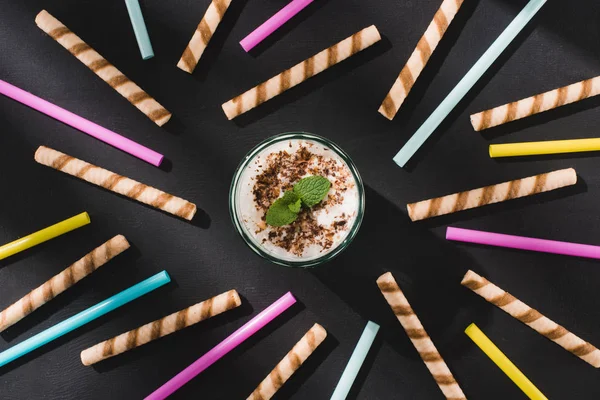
(207, 257)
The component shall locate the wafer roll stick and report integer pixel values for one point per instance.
(532, 318)
(161, 327)
(204, 32)
(536, 104)
(290, 363)
(491, 194)
(101, 67)
(301, 72)
(419, 58)
(115, 183)
(62, 281)
(418, 336)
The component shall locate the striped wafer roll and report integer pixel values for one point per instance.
(536, 104)
(492, 194)
(62, 281)
(115, 183)
(301, 72)
(161, 327)
(532, 318)
(418, 336)
(101, 67)
(290, 363)
(204, 32)
(419, 58)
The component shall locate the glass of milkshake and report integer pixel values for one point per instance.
(272, 168)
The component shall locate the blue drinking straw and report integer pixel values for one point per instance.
(356, 360)
(139, 28)
(84, 317)
(467, 82)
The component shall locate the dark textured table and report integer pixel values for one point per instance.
(207, 257)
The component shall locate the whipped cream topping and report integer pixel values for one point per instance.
(317, 230)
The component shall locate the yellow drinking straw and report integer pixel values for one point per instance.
(45, 234)
(510, 369)
(549, 147)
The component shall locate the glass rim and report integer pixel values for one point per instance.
(241, 229)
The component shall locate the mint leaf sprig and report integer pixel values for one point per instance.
(308, 192)
(284, 210)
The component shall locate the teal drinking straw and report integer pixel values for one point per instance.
(467, 82)
(356, 360)
(139, 28)
(84, 317)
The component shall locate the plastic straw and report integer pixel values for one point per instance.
(84, 125)
(510, 369)
(523, 243)
(84, 317)
(220, 350)
(467, 82)
(273, 23)
(139, 28)
(549, 147)
(356, 360)
(44, 235)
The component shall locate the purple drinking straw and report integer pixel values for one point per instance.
(273, 23)
(523, 243)
(220, 350)
(84, 125)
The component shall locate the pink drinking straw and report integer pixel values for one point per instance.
(273, 23)
(220, 350)
(77, 122)
(523, 243)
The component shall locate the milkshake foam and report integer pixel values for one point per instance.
(276, 169)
